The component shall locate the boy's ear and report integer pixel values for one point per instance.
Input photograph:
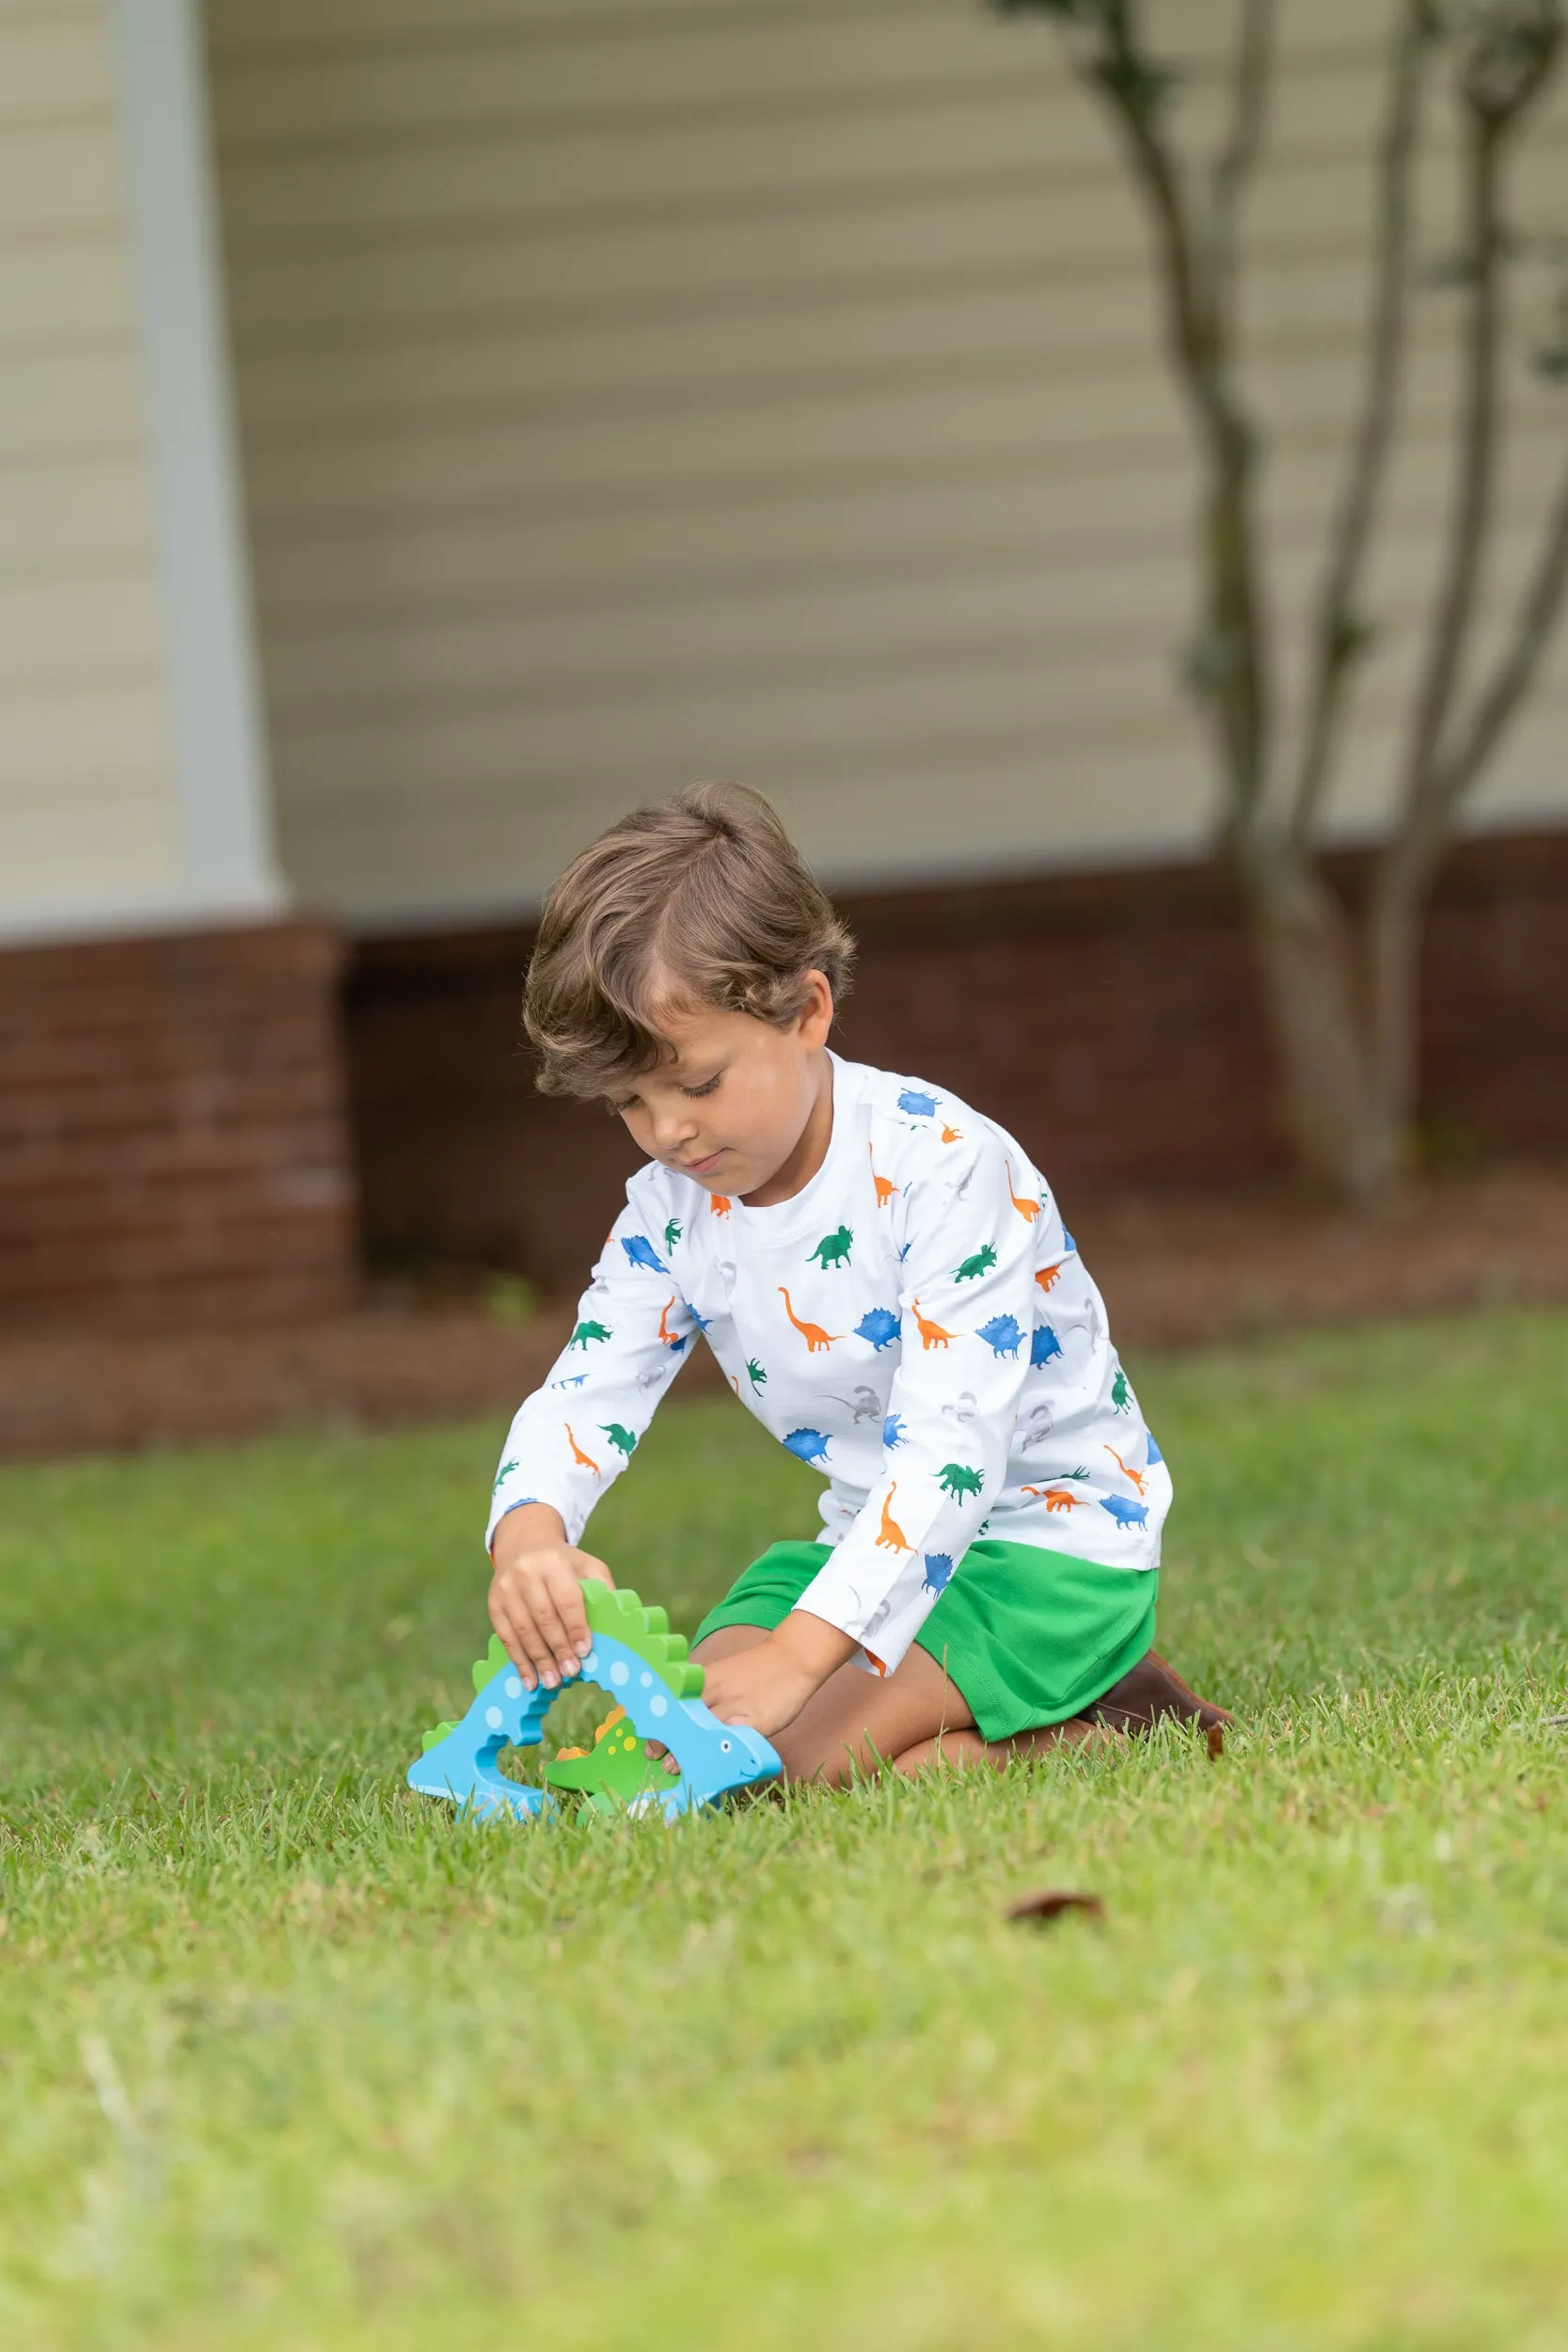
(817, 1014)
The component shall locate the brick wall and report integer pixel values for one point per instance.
(1111, 1020)
(173, 1144)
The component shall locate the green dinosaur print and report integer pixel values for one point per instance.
(973, 1267)
(619, 1437)
(586, 1331)
(505, 1472)
(833, 1248)
(755, 1373)
(1121, 1395)
(672, 1235)
(959, 1479)
(612, 1770)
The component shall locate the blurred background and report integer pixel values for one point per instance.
(428, 427)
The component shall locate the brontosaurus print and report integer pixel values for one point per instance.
(717, 1204)
(1054, 1498)
(1048, 1276)
(673, 1341)
(952, 1134)
(891, 1537)
(818, 1340)
(584, 1461)
(1136, 1476)
(931, 1334)
(1028, 1210)
(883, 1185)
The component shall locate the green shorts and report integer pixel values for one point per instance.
(1029, 1636)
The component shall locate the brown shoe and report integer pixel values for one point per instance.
(1153, 1690)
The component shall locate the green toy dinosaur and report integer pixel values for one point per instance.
(613, 1771)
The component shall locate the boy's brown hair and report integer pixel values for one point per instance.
(702, 900)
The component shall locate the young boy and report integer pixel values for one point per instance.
(888, 1286)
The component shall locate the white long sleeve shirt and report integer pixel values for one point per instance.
(915, 1322)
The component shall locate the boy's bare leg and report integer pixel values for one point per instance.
(856, 1724)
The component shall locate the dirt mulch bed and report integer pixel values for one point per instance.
(1175, 1273)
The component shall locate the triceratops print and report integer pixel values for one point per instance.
(586, 1331)
(833, 1248)
(980, 1263)
(959, 1480)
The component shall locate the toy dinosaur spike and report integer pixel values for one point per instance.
(488, 1666)
(646, 1671)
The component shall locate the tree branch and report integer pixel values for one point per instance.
(1251, 74)
(1515, 668)
(1198, 339)
(1338, 635)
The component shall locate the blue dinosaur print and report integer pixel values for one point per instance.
(700, 1321)
(904, 1253)
(893, 1432)
(1067, 1242)
(1154, 1452)
(809, 1445)
(1045, 1346)
(939, 1567)
(1124, 1513)
(1001, 1334)
(878, 1325)
(642, 1253)
(918, 1106)
(573, 1380)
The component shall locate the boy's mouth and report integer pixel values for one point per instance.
(702, 1168)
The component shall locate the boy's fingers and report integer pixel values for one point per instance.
(531, 1651)
(588, 1565)
(560, 1658)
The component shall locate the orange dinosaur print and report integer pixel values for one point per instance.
(817, 1340)
(1054, 1498)
(892, 1537)
(1048, 1276)
(886, 1187)
(1136, 1476)
(952, 1134)
(670, 1339)
(931, 1334)
(1028, 1210)
(717, 1204)
(585, 1460)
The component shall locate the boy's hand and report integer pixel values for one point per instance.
(765, 1687)
(535, 1594)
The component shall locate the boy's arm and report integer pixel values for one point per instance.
(968, 1316)
(573, 1436)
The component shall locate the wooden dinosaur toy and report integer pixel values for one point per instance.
(645, 1668)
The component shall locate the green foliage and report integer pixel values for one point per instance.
(289, 2057)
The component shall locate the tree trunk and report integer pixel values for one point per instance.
(1347, 1127)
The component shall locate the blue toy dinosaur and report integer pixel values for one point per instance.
(646, 1669)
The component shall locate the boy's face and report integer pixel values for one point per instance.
(735, 1106)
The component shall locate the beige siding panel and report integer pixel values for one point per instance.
(630, 392)
(87, 811)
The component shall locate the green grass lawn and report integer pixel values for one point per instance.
(290, 2058)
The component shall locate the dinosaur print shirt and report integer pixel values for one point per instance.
(916, 1323)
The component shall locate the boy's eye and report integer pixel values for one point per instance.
(707, 1088)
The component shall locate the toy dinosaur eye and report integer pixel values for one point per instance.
(725, 1744)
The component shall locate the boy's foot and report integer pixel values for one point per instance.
(1153, 1691)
